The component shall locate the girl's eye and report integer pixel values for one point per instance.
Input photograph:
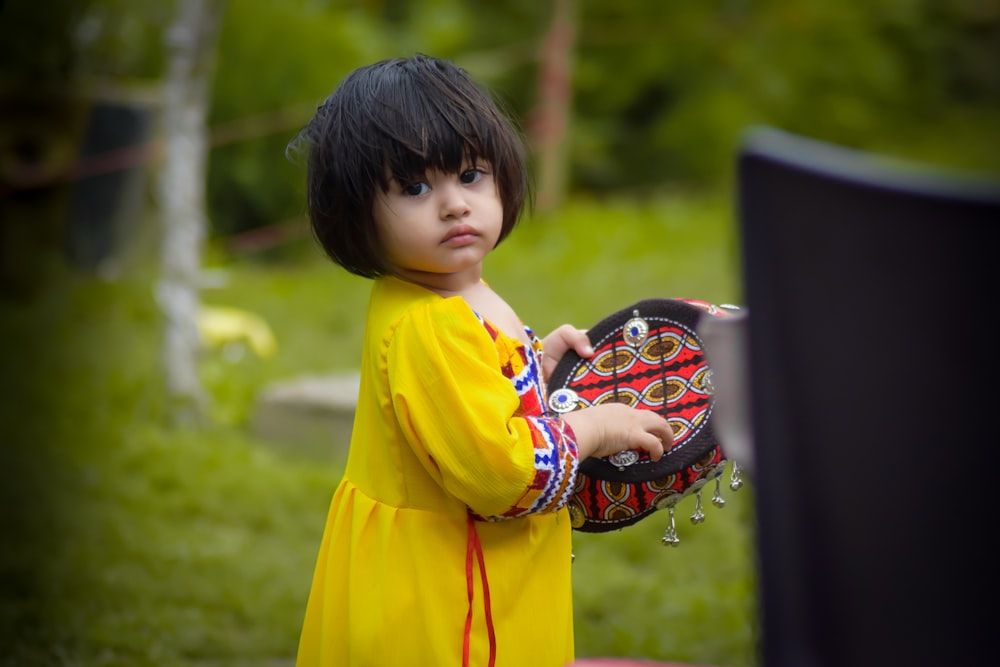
(470, 176)
(416, 189)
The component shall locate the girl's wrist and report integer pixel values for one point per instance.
(589, 431)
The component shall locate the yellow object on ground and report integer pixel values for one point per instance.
(221, 325)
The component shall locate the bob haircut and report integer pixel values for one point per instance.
(396, 120)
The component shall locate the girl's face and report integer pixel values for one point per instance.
(437, 229)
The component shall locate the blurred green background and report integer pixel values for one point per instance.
(128, 539)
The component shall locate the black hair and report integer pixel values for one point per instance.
(395, 120)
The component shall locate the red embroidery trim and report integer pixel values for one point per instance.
(474, 546)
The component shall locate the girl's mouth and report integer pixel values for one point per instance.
(460, 235)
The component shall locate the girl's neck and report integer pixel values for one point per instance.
(445, 284)
(480, 297)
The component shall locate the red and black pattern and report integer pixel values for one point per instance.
(649, 356)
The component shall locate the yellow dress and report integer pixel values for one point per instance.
(447, 541)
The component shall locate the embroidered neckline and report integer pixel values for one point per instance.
(534, 350)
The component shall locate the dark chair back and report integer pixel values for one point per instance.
(875, 393)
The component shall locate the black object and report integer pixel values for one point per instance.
(106, 206)
(873, 366)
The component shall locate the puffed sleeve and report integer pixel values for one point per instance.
(459, 412)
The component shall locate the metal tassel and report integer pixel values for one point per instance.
(699, 514)
(670, 538)
(736, 478)
(717, 498)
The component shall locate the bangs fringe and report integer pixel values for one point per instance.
(422, 122)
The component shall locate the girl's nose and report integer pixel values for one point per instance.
(453, 202)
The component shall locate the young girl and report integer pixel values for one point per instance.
(447, 542)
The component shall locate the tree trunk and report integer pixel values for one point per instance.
(190, 43)
(551, 118)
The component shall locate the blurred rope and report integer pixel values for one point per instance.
(267, 236)
(29, 177)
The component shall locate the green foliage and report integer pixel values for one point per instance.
(699, 597)
(277, 61)
(123, 39)
(661, 90)
(55, 45)
(595, 257)
(663, 93)
(37, 48)
(130, 542)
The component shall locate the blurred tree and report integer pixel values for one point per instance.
(190, 46)
(550, 121)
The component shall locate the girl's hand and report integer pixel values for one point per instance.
(556, 344)
(609, 428)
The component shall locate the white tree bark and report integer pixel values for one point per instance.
(190, 43)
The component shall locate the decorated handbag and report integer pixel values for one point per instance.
(648, 356)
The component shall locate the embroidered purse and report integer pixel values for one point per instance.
(648, 356)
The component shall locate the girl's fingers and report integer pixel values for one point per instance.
(556, 344)
(581, 343)
(655, 447)
(657, 426)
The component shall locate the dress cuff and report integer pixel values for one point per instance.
(556, 463)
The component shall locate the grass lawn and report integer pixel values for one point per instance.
(128, 541)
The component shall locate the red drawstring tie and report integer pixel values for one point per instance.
(475, 546)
